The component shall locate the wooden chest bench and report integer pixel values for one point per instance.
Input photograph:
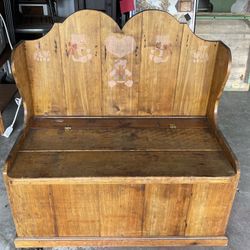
(121, 145)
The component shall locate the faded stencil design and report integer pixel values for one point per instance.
(120, 47)
(77, 48)
(162, 50)
(200, 55)
(120, 74)
(41, 55)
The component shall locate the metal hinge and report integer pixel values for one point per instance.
(172, 126)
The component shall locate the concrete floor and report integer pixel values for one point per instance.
(234, 121)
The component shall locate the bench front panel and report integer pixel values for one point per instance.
(122, 210)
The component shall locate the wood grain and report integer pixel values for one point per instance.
(45, 73)
(80, 40)
(21, 75)
(122, 241)
(195, 74)
(135, 210)
(157, 66)
(121, 209)
(120, 163)
(162, 201)
(121, 99)
(32, 210)
(119, 122)
(220, 76)
(158, 75)
(76, 210)
(216, 205)
(117, 139)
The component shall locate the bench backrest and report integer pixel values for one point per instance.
(88, 66)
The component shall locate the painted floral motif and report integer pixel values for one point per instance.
(41, 55)
(162, 50)
(200, 55)
(120, 74)
(120, 47)
(77, 48)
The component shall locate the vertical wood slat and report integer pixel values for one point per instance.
(121, 210)
(209, 209)
(121, 47)
(166, 208)
(170, 68)
(76, 210)
(195, 74)
(80, 48)
(45, 74)
(160, 53)
(32, 210)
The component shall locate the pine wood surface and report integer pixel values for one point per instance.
(137, 139)
(123, 242)
(171, 69)
(121, 210)
(126, 164)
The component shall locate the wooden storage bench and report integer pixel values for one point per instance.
(121, 145)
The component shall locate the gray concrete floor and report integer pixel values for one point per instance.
(234, 121)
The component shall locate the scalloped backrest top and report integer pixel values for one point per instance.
(88, 66)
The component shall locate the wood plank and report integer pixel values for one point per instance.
(121, 66)
(76, 209)
(165, 209)
(161, 46)
(119, 122)
(45, 74)
(123, 164)
(195, 74)
(121, 209)
(122, 241)
(31, 208)
(81, 60)
(209, 209)
(117, 139)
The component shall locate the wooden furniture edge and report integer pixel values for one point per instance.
(120, 242)
(25, 91)
(124, 180)
(220, 76)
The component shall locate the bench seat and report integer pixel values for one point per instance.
(120, 147)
